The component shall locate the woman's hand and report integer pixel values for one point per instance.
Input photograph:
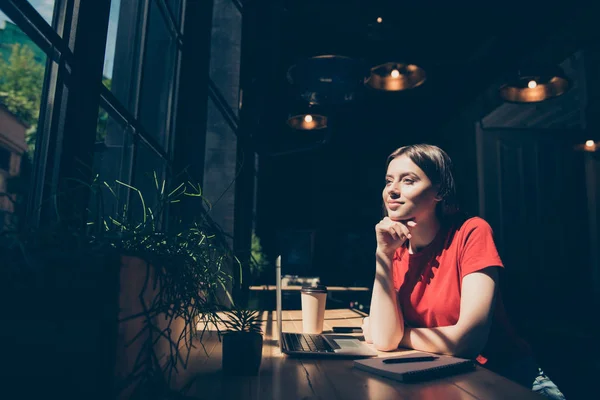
(366, 330)
(392, 234)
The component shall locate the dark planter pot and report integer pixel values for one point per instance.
(242, 353)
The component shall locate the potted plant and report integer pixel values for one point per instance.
(169, 280)
(118, 297)
(242, 342)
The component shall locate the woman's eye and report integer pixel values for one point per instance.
(387, 182)
(408, 181)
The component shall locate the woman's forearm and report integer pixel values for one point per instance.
(449, 340)
(385, 318)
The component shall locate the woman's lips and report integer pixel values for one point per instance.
(394, 204)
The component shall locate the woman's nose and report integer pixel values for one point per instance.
(394, 192)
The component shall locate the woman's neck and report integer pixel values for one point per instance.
(423, 233)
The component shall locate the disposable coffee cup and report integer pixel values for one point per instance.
(313, 308)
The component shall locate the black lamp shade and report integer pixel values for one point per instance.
(327, 79)
(393, 76)
(535, 84)
(307, 122)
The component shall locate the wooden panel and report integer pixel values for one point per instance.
(533, 193)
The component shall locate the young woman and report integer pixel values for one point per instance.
(436, 278)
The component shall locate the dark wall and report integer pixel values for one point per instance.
(336, 190)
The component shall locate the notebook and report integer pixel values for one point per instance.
(416, 371)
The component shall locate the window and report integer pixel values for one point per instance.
(112, 156)
(175, 9)
(22, 70)
(141, 68)
(148, 165)
(123, 44)
(5, 157)
(46, 70)
(109, 51)
(45, 8)
(157, 76)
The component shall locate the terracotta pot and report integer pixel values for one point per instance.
(242, 353)
(131, 333)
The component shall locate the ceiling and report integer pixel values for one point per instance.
(337, 186)
(463, 50)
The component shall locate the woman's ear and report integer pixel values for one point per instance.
(438, 196)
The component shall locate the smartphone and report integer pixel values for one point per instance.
(347, 329)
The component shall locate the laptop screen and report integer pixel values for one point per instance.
(278, 301)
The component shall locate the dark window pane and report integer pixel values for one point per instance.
(158, 74)
(175, 8)
(122, 53)
(148, 179)
(22, 69)
(225, 65)
(112, 159)
(5, 157)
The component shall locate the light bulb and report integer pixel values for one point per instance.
(395, 73)
(532, 84)
(589, 143)
(308, 118)
(379, 20)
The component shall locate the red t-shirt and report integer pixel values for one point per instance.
(429, 285)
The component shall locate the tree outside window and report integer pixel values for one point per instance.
(22, 68)
(21, 80)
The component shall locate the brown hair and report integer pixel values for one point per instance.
(437, 165)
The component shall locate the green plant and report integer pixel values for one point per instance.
(242, 342)
(258, 259)
(196, 248)
(21, 79)
(241, 320)
(190, 260)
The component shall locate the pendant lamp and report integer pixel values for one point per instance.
(327, 79)
(307, 121)
(393, 76)
(589, 146)
(535, 84)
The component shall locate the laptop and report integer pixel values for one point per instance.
(315, 344)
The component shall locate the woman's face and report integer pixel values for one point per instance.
(408, 192)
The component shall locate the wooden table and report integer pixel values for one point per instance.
(283, 377)
(297, 288)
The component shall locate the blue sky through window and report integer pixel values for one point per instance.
(46, 8)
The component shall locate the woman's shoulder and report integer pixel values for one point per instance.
(475, 222)
(465, 226)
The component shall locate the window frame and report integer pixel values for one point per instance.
(72, 82)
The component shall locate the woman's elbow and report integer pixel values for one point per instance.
(388, 343)
(386, 346)
(469, 352)
(469, 347)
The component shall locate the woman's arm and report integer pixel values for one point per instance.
(385, 325)
(468, 337)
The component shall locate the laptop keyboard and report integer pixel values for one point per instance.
(307, 342)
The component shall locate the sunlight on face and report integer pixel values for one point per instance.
(408, 192)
